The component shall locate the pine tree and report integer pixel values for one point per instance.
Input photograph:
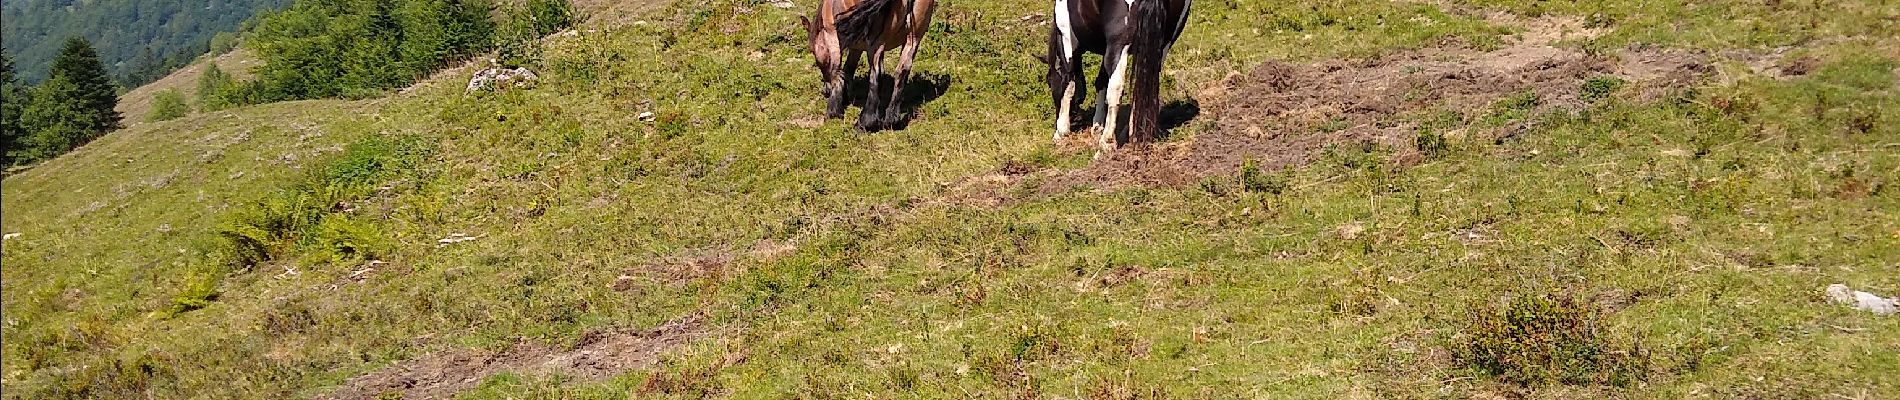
(56, 121)
(79, 65)
(12, 101)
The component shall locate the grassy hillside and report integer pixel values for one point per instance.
(1361, 199)
(136, 104)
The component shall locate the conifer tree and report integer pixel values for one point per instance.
(79, 65)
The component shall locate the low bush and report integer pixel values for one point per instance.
(1548, 339)
(168, 105)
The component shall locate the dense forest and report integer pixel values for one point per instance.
(138, 40)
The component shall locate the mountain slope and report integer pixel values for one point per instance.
(1352, 189)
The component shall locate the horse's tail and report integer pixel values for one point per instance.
(1152, 34)
(864, 22)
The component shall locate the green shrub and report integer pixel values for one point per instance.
(217, 90)
(1548, 339)
(545, 17)
(168, 105)
(1431, 143)
(262, 231)
(343, 239)
(1599, 88)
(200, 290)
(1252, 179)
(520, 42)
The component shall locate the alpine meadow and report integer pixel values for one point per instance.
(537, 199)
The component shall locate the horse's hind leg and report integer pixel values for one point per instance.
(894, 113)
(870, 118)
(1109, 60)
(1117, 79)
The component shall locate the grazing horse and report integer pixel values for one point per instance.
(1124, 32)
(861, 26)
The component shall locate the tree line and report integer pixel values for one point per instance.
(362, 48)
(312, 49)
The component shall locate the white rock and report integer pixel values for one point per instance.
(501, 78)
(1841, 294)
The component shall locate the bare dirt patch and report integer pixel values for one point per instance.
(1282, 114)
(598, 355)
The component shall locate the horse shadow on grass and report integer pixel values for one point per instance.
(922, 88)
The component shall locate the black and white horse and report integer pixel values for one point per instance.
(1126, 33)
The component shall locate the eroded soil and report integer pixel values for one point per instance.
(598, 355)
(1281, 114)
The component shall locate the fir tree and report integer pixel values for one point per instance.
(79, 65)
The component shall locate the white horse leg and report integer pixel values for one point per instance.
(1113, 98)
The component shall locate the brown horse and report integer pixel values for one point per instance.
(1125, 33)
(859, 26)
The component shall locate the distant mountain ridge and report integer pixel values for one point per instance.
(139, 40)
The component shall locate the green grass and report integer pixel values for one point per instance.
(1700, 227)
(1718, 25)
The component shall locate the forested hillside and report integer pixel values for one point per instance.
(139, 40)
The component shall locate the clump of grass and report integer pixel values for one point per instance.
(1431, 143)
(1548, 339)
(1253, 179)
(1600, 87)
(1515, 107)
